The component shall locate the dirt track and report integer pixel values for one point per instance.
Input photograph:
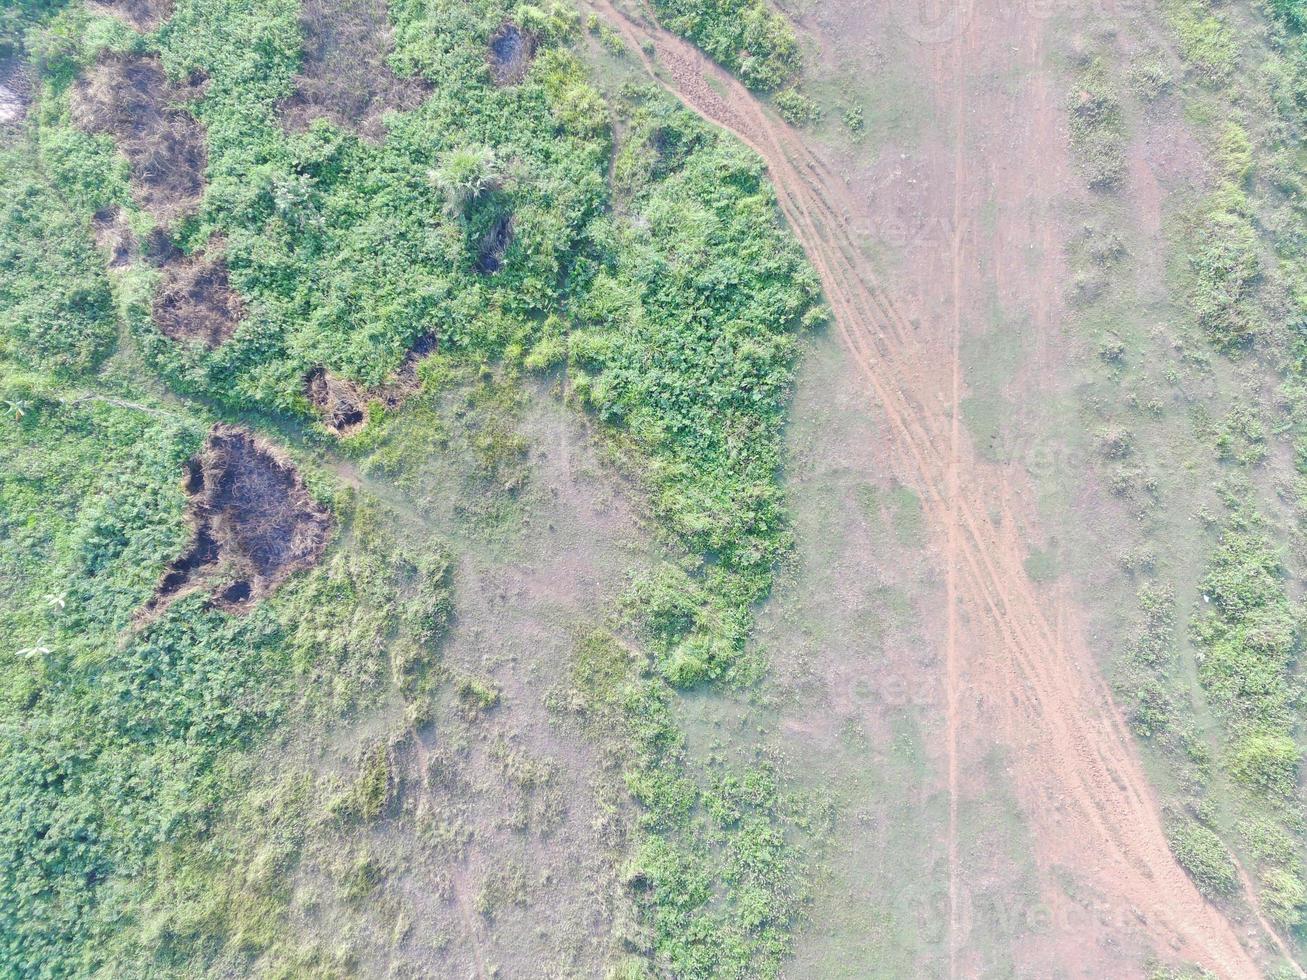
(1018, 668)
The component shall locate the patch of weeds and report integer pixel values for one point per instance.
(1241, 437)
(796, 108)
(733, 826)
(748, 37)
(502, 889)
(1150, 78)
(361, 879)
(1206, 43)
(1201, 853)
(1224, 266)
(854, 119)
(1097, 128)
(476, 697)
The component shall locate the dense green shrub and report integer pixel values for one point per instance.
(56, 311)
(746, 36)
(796, 108)
(1201, 853)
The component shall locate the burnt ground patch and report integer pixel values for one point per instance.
(195, 301)
(144, 15)
(130, 98)
(15, 89)
(254, 523)
(344, 76)
(493, 245)
(342, 404)
(510, 52)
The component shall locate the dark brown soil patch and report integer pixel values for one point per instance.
(255, 523)
(343, 404)
(130, 98)
(144, 15)
(344, 76)
(494, 245)
(15, 90)
(510, 54)
(195, 301)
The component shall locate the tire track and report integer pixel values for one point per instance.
(1088, 799)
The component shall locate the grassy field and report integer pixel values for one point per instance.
(443, 533)
(554, 370)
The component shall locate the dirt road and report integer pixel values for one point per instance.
(1018, 669)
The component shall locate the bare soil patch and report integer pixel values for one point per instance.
(510, 53)
(344, 76)
(343, 403)
(130, 98)
(255, 523)
(15, 90)
(144, 15)
(195, 301)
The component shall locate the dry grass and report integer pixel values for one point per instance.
(343, 404)
(195, 300)
(144, 15)
(15, 90)
(344, 76)
(510, 54)
(130, 98)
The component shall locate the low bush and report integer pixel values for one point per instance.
(1201, 853)
(747, 36)
(1097, 128)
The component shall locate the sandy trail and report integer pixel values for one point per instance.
(1018, 668)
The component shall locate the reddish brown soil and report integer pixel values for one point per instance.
(144, 15)
(344, 75)
(343, 404)
(1018, 670)
(130, 98)
(254, 523)
(195, 302)
(510, 54)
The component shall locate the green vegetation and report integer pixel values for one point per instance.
(1225, 266)
(723, 826)
(796, 108)
(1210, 670)
(1248, 642)
(1097, 128)
(55, 294)
(1201, 853)
(747, 36)
(146, 829)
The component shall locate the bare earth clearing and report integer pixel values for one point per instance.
(1017, 666)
